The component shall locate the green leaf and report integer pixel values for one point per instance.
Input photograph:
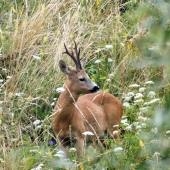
(86, 36)
(88, 65)
(107, 90)
(87, 21)
(93, 70)
(102, 78)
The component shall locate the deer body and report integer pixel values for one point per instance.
(94, 112)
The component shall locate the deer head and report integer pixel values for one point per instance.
(78, 80)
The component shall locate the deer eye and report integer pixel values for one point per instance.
(82, 79)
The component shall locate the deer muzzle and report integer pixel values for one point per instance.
(95, 89)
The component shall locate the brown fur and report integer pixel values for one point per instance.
(95, 112)
(100, 110)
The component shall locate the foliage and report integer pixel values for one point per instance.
(124, 44)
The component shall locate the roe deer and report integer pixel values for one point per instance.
(95, 112)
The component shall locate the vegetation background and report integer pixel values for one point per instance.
(127, 44)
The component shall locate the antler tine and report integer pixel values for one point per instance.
(78, 55)
(71, 55)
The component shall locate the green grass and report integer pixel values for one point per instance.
(140, 38)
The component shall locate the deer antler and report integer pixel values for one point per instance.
(77, 62)
(77, 54)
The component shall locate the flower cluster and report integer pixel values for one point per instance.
(60, 89)
(87, 133)
(39, 167)
(142, 101)
(140, 96)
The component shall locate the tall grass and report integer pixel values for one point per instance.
(31, 43)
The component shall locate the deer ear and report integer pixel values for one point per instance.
(64, 68)
(83, 63)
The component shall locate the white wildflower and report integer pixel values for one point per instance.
(153, 101)
(144, 108)
(39, 167)
(134, 85)
(138, 101)
(108, 46)
(116, 126)
(0, 55)
(1, 102)
(9, 77)
(1, 80)
(115, 132)
(35, 150)
(60, 89)
(151, 94)
(138, 127)
(154, 130)
(36, 57)
(109, 60)
(118, 149)
(156, 154)
(1, 160)
(87, 133)
(59, 152)
(0, 89)
(167, 132)
(138, 113)
(59, 155)
(130, 94)
(129, 128)
(149, 82)
(143, 118)
(122, 44)
(126, 124)
(143, 124)
(111, 75)
(138, 95)
(12, 114)
(38, 127)
(146, 103)
(127, 98)
(52, 104)
(154, 141)
(36, 122)
(18, 94)
(142, 89)
(135, 123)
(97, 61)
(124, 121)
(126, 104)
(108, 80)
(153, 48)
(72, 149)
(55, 99)
(4, 69)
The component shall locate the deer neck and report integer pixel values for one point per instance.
(66, 103)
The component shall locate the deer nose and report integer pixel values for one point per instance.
(95, 89)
